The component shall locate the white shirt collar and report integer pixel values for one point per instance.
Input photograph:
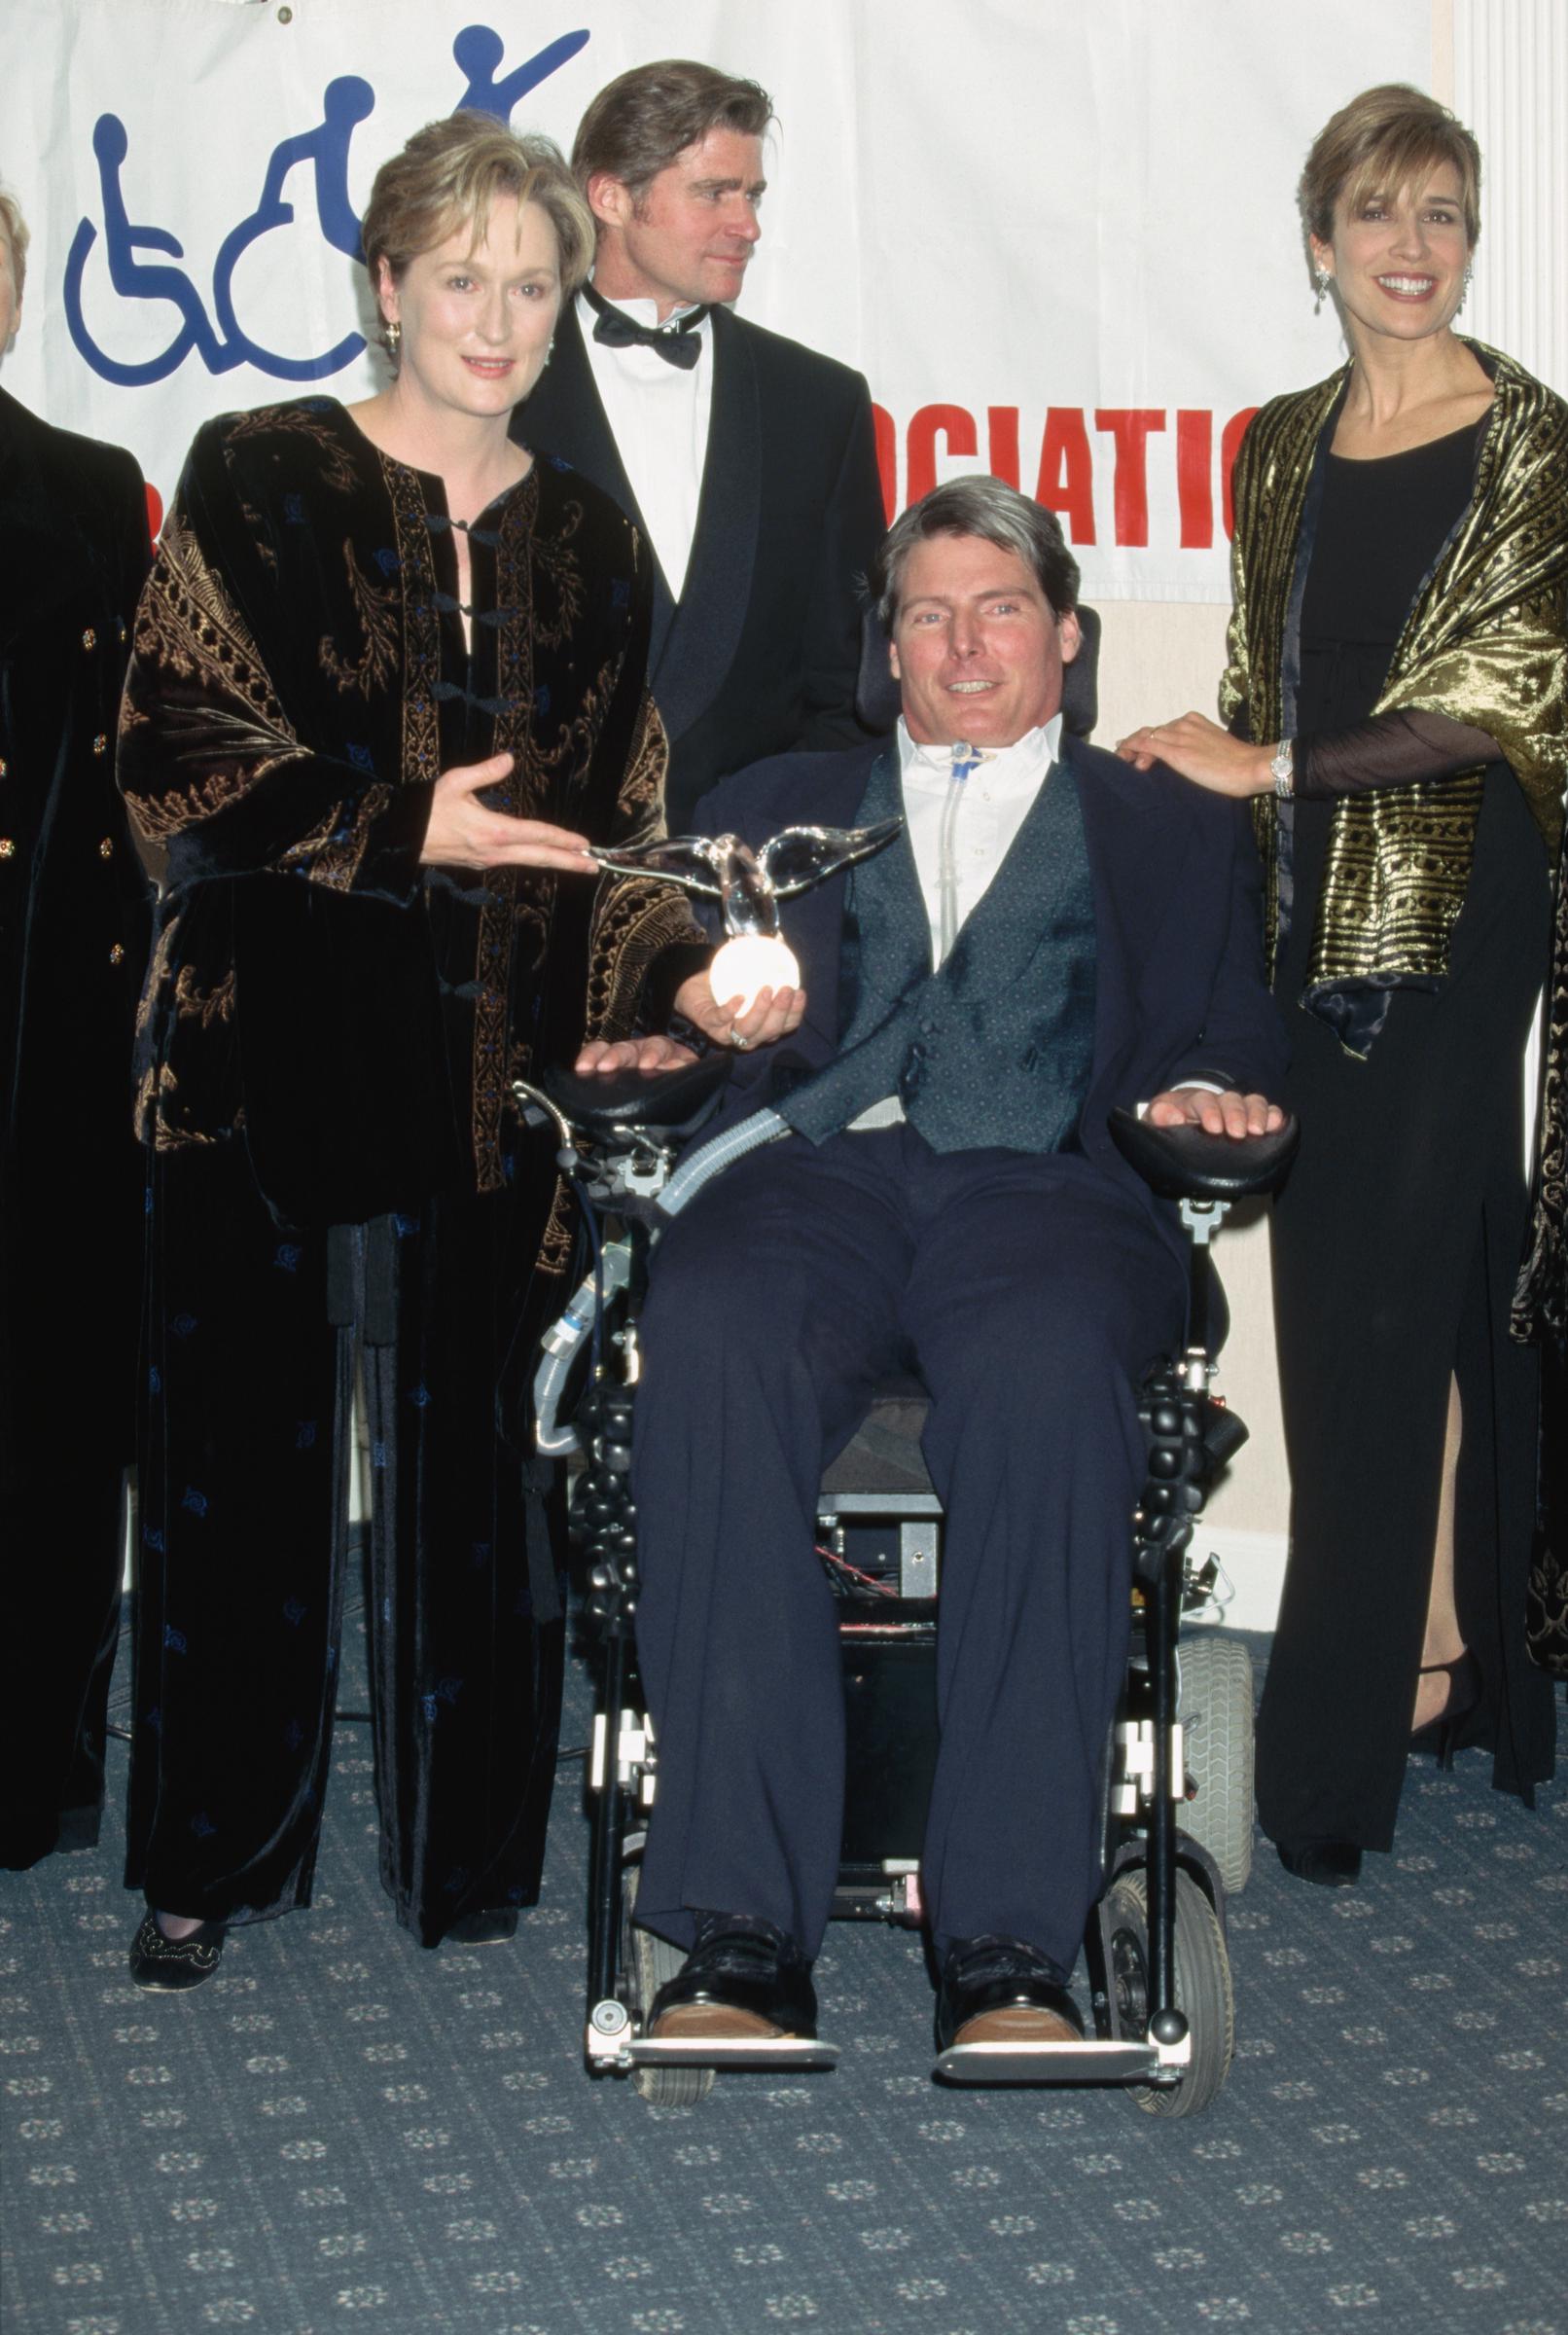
(1027, 760)
(646, 313)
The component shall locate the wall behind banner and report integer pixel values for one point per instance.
(1059, 239)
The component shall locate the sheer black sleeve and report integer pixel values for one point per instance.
(1391, 749)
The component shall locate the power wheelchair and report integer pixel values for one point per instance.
(1176, 1789)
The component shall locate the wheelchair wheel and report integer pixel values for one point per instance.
(1202, 1987)
(646, 1962)
(1215, 1707)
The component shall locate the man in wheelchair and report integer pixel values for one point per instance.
(1052, 933)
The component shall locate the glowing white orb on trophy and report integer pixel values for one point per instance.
(753, 961)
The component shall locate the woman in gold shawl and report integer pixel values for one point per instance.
(1394, 702)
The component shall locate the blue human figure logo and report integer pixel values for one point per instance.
(345, 103)
(479, 53)
(132, 279)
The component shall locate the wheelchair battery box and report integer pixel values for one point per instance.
(889, 1653)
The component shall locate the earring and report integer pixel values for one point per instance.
(550, 349)
(1464, 289)
(392, 335)
(1322, 279)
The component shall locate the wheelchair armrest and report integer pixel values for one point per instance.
(675, 1101)
(1184, 1163)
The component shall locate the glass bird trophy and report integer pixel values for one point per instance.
(749, 886)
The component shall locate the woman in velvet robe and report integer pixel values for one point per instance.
(388, 674)
(74, 922)
(1397, 704)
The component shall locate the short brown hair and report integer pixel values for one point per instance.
(14, 228)
(995, 511)
(642, 120)
(450, 172)
(1379, 143)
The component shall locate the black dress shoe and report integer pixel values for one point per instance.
(164, 1965)
(1332, 1864)
(743, 1978)
(1000, 1991)
(489, 1929)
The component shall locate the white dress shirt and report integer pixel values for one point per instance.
(658, 416)
(991, 805)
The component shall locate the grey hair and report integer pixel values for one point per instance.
(14, 228)
(998, 514)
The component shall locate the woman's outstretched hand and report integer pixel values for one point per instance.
(465, 833)
(1196, 748)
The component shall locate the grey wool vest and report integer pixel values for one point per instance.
(993, 1047)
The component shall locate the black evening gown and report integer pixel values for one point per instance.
(1395, 1244)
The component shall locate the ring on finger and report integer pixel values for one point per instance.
(738, 1037)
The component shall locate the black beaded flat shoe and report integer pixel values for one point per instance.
(1332, 1864)
(163, 1965)
(750, 1980)
(996, 1990)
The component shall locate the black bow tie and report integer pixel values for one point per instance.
(677, 344)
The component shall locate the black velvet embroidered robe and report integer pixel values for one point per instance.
(74, 922)
(328, 1038)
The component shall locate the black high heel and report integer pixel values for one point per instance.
(1439, 1735)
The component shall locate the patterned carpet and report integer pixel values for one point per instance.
(342, 2133)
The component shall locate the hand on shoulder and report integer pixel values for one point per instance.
(1198, 749)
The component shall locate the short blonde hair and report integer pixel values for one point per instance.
(14, 228)
(449, 176)
(1382, 141)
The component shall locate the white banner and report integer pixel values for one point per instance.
(1058, 236)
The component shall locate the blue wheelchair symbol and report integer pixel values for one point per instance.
(478, 51)
(220, 341)
(345, 103)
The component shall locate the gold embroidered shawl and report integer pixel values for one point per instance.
(1483, 643)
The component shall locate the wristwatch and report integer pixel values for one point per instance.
(1282, 770)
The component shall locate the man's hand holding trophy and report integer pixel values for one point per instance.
(750, 993)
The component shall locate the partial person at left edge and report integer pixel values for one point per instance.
(388, 681)
(74, 925)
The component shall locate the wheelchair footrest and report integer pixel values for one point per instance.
(1086, 2062)
(716, 2051)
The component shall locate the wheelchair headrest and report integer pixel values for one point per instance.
(1183, 1163)
(876, 693)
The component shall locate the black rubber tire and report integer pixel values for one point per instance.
(1203, 1988)
(1215, 1707)
(648, 1961)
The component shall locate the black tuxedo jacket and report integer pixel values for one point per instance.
(1179, 978)
(762, 652)
(75, 918)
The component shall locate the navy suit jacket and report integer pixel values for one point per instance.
(1179, 972)
(762, 650)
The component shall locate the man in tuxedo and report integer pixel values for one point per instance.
(748, 461)
(1050, 934)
